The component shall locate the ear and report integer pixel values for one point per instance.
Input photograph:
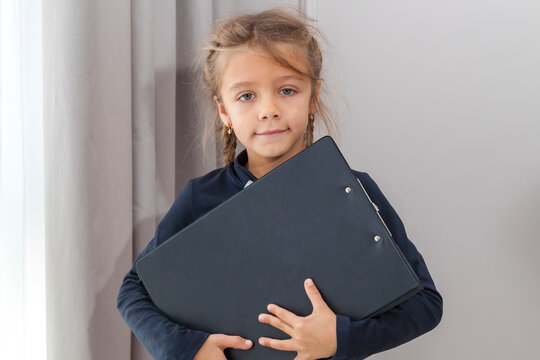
(315, 98)
(223, 115)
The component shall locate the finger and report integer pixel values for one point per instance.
(276, 322)
(236, 342)
(283, 314)
(286, 345)
(314, 295)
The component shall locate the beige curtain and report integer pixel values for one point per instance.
(117, 131)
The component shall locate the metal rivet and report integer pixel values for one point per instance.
(348, 189)
(377, 238)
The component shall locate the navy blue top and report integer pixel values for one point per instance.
(165, 339)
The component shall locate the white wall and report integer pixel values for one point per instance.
(444, 114)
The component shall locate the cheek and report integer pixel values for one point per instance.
(238, 113)
(299, 124)
(240, 110)
(299, 111)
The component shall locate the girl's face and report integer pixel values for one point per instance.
(260, 95)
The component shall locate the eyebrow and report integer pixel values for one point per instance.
(281, 78)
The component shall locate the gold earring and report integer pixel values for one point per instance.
(311, 117)
(230, 129)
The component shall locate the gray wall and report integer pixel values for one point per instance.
(442, 108)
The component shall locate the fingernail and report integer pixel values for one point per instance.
(248, 342)
(261, 341)
(309, 282)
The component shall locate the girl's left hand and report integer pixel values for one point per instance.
(312, 337)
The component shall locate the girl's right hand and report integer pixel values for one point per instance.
(215, 344)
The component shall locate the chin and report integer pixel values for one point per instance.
(273, 149)
(274, 152)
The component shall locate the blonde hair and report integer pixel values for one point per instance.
(261, 31)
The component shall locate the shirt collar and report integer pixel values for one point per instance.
(238, 167)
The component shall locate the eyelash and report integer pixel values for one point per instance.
(293, 92)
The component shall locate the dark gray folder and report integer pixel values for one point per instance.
(308, 217)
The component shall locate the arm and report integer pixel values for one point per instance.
(408, 320)
(163, 338)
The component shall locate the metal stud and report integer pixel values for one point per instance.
(348, 189)
(377, 238)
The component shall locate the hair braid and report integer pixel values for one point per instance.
(308, 136)
(229, 145)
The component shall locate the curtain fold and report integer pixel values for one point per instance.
(115, 87)
(153, 95)
(88, 175)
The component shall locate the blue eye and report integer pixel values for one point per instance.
(242, 97)
(288, 91)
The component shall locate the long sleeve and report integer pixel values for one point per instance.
(408, 320)
(163, 338)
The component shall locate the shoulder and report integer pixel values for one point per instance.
(368, 184)
(361, 175)
(218, 180)
(198, 196)
(386, 210)
(210, 179)
(371, 187)
(213, 188)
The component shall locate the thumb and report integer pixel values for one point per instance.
(314, 295)
(236, 342)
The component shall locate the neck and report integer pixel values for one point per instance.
(260, 166)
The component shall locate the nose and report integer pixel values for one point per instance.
(269, 110)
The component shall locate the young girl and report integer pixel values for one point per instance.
(263, 73)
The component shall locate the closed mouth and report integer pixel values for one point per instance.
(270, 132)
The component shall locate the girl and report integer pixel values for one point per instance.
(263, 73)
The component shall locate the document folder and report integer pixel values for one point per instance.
(309, 217)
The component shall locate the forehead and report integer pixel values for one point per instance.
(251, 64)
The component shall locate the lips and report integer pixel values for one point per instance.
(270, 132)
